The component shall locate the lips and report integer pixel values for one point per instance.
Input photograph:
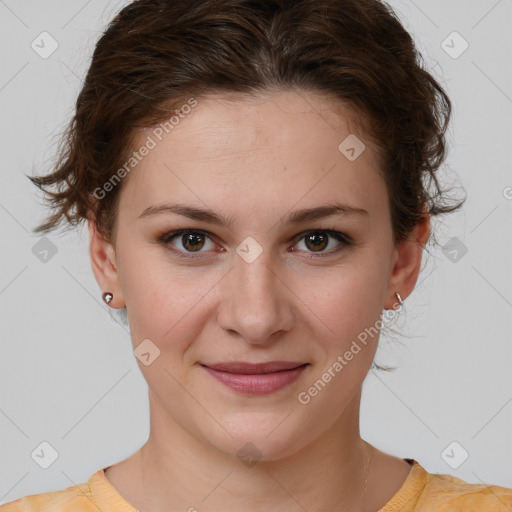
(256, 378)
(241, 367)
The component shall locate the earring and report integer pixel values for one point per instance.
(107, 297)
(399, 299)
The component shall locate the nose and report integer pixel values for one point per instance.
(256, 302)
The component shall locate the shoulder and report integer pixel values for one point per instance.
(76, 498)
(443, 492)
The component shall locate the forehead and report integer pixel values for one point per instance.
(283, 145)
(251, 120)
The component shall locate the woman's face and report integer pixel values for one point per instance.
(255, 286)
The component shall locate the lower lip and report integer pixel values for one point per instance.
(260, 384)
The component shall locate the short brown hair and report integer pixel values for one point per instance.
(154, 55)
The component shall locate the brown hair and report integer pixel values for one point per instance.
(156, 55)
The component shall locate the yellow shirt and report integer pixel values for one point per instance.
(421, 492)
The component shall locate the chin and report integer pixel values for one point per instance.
(260, 436)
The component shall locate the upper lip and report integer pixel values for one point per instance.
(254, 368)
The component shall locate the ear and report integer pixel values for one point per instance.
(104, 266)
(407, 263)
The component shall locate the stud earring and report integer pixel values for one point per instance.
(107, 297)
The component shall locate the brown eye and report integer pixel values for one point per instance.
(317, 241)
(191, 241)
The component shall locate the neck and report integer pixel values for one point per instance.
(188, 473)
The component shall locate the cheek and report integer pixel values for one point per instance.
(348, 304)
(167, 307)
(356, 287)
(150, 284)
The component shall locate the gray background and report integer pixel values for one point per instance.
(67, 372)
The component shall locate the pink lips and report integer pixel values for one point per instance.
(256, 379)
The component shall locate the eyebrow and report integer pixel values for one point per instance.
(296, 217)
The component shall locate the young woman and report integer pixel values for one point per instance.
(256, 181)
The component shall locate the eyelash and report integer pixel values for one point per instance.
(166, 238)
